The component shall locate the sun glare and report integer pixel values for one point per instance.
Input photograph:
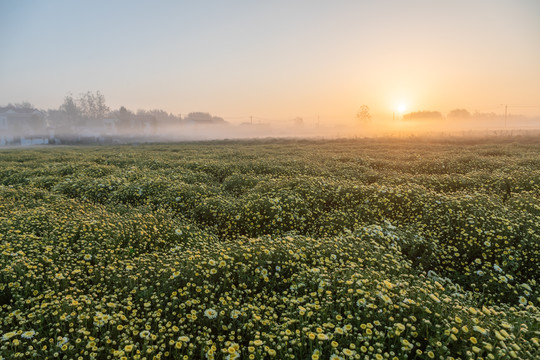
(400, 108)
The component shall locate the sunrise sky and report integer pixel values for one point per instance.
(274, 59)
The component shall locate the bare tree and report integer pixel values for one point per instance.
(363, 115)
(93, 106)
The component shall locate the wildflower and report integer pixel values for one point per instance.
(28, 334)
(322, 337)
(59, 276)
(479, 329)
(386, 299)
(210, 313)
(62, 342)
(348, 352)
(361, 302)
(235, 314)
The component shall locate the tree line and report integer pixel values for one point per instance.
(89, 110)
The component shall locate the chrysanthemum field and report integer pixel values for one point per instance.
(350, 249)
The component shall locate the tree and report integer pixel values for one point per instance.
(423, 115)
(80, 111)
(70, 108)
(459, 113)
(124, 117)
(21, 105)
(93, 106)
(363, 115)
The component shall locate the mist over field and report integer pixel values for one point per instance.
(87, 119)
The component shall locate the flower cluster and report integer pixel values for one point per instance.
(285, 250)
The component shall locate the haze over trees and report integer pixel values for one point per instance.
(86, 118)
(89, 111)
(459, 114)
(422, 115)
(363, 115)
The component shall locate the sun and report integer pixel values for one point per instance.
(400, 108)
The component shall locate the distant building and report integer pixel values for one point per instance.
(23, 126)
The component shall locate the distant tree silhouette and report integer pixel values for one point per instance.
(203, 118)
(459, 113)
(422, 115)
(21, 105)
(124, 117)
(70, 108)
(92, 106)
(363, 115)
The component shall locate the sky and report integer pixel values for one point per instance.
(275, 60)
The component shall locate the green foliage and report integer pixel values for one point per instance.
(284, 249)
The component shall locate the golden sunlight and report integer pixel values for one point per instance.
(400, 108)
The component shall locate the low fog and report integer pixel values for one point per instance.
(88, 120)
